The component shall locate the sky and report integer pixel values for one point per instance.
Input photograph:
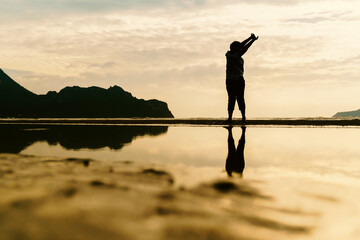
(306, 62)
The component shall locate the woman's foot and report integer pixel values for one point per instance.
(228, 121)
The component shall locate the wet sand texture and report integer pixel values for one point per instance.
(50, 198)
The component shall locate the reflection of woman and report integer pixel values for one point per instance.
(235, 161)
(235, 82)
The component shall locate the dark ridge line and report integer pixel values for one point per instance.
(205, 122)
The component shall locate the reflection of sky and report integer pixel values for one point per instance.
(315, 150)
(311, 174)
(328, 154)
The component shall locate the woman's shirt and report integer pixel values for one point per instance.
(234, 66)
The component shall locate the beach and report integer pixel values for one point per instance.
(179, 120)
(321, 121)
(46, 196)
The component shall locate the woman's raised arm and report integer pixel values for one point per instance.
(249, 42)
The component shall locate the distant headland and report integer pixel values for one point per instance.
(348, 114)
(76, 102)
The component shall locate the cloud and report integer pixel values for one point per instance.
(322, 17)
(35, 7)
(85, 6)
(318, 72)
(174, 50)
(105, 65)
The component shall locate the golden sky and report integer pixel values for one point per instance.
(305, 63)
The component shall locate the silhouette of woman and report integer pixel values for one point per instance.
(235, 161)
(235, 82)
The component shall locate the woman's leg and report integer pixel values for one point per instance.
(231, 100)
(231, 105)
(241, 100)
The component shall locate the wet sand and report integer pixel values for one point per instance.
(55, 198)
(196, 121)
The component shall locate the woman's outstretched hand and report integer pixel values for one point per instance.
(254, 37)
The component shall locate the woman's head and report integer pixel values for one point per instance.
(235, 46)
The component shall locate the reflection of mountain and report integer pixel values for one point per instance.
(15, 138)
(348, 114)
(76, 102)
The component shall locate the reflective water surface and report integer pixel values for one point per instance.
(311, 175)
(327, 154)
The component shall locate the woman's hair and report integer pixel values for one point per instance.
(235, 46)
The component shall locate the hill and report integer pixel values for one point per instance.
(13, 97)
(76, 102)
(348, 114)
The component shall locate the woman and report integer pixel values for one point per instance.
(235, 82)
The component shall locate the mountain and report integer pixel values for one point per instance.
(13, 97)
(348, 114)
(76, 102)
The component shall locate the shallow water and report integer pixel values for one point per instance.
(310, 174)
(324, 154)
